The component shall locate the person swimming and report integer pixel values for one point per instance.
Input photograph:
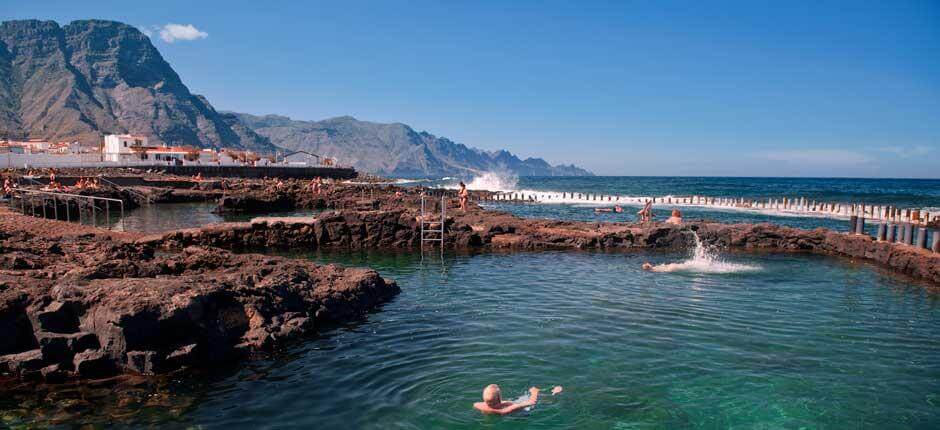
(493, 402)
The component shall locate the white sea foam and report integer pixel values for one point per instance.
(494, 180)
(588, 199)
(704, 260)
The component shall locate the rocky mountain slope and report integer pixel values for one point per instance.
(94, 77)
(393, 149)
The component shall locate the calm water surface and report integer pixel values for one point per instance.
(171, 216)
(802, 341)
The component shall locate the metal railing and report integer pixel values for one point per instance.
(83, 204)
(428, 232)
(143, 196)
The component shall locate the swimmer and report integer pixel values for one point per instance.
(647, 265)
(493, 403)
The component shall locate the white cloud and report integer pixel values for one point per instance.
(172, 32)
(907, 151)
(832, 157)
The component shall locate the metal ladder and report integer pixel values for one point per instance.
(428, 232)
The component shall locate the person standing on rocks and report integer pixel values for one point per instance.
(646, 214)
(464, 196)
(315, 185)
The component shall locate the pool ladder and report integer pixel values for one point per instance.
(432, 231)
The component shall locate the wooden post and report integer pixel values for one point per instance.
(860, 227)
(853, 224)
(922, 237)
(908, 234)
(882, 232)
(889, 236)
(936, 241)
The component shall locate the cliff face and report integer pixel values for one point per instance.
(393, 149)
(90, 78)
(94, 77)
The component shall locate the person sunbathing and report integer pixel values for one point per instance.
(493, 402)
(676, 217)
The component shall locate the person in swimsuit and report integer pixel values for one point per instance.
(676, 217)
(646, 214)
(464, 195)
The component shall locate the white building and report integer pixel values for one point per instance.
(181, 155)
(124, 147)
(301, 158)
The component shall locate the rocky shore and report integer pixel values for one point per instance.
(91, 305)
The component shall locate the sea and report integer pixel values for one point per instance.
(632, 191)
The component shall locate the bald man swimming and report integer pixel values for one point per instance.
(493, 402)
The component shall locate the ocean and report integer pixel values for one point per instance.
(920, 194)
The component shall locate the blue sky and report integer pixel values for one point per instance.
(790, 88)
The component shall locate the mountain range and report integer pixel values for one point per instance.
(393, 149)
(94, 77)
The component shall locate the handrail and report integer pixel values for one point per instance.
(132, 191)
(31, 179)
(65, 196)
(70, 195)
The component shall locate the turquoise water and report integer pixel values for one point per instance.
(799, 341)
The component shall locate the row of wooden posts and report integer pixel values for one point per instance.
(905, 233)
(786, 204)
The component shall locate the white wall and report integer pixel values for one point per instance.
(94, 160)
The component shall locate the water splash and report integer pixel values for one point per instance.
(704, 259)
(494, 180)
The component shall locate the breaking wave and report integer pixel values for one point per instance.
(494, 181)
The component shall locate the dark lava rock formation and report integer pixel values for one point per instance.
(91, 307)
(395, 225)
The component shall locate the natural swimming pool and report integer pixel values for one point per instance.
(800, 341)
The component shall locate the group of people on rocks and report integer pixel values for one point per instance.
(83, 183)
(645, 215)
(87, 184)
